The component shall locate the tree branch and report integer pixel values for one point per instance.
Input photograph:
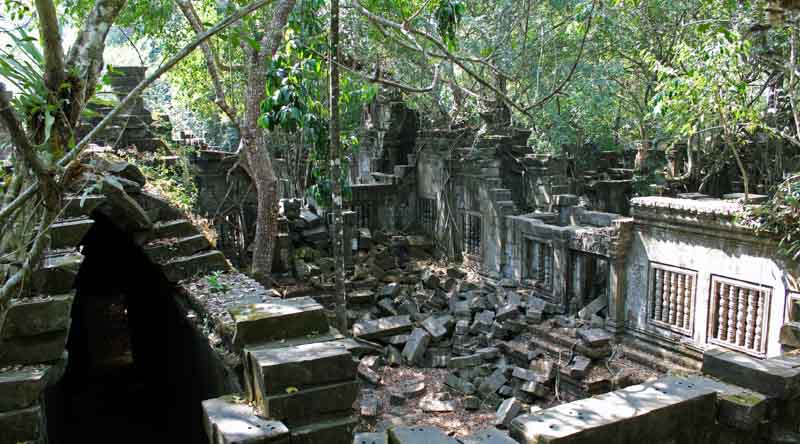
(221, 101)
(564, 83)
(50, 35)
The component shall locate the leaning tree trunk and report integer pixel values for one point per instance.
(336, 171)
(253, 143)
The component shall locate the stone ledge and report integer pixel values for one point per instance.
(776, 377)
(21, 426)
(35, 316)
(228, 420)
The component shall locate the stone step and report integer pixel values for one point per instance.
(231, 420)
(383, 327)
(178, 228)
(26, 350)
(21, 426)
(57, 273)
(159, 252)
(775, 377)
(419, 435)
(36, 316)
(20, 388)
(303, 407)
(81, 206)
(334, 431)
(186, 267)
(273, 370)
(660, 358)
(670, 409)
(68, 233)
(278, 319)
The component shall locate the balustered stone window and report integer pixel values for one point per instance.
(738, 315)
(364, 212)
(672, 298)
(471, 229)
(426, 211)
(539, 263)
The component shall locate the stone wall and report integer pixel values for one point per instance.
(688, 261)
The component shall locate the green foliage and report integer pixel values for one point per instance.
(448, 16)
(780, 216)
(169, 173)
(215, 284)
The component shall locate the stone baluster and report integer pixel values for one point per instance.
(536, 268)
(752, 301)
(722, 312)
(657, 294)
(759, 322)
(679, 300)
(673, 297)
(665, 293)
(732, 304)
(687, 302)
(548, 262)
(741, 327)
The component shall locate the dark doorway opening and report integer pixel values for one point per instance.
(127, 379)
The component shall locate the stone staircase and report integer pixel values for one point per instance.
(298, 371)
(34, 327)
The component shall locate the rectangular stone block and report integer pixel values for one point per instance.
(278, 319)
(300, 366)
(57, 274)
(21, 388)
(186, 267)
(488, 436)
(334, 431)
(370, 438)
(383, 327)
(311, 405)
(230, 420)
(35, 316)
(419, 435)
(772, 377)
(37, 349)
(21, 426)
(665, 410)
(69, 233)
(415, 348)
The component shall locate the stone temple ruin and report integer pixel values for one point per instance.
(488, 303)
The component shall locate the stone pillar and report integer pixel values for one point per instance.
(349, 220)
(561, 274)
(616, 295)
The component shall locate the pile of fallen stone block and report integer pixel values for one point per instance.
(479, 331)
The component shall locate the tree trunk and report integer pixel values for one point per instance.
(253, 143)
(336, 171)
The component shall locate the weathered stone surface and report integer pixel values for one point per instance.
(68, 233)
(278, 319)
(24, 350)
(594, 307)
(178, 228)
(318, 234)
(334, 431)
(508, 410)
(300, 366)
(437, 403)
(535, 389)
(410, 388)
(415, 347)
(507, 311)
(229, 420)
(361, 297)
(472, 403)
(369, 406)
(460, 385)
(392, 355)
(382, 327)
(459, 362)
(190, 266)
(579, 366)
(419, 435)
(594, 337)
(370, 438)
(57, 274)
(492, 383)
(21, 426)
(669, 409)
(122, 208)
(307, 406)
(772, 377)
(390, 290)
(437, 326)
(20, 389)
(35, 316)
(159, 252)
(488, 436)
(81, 206)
